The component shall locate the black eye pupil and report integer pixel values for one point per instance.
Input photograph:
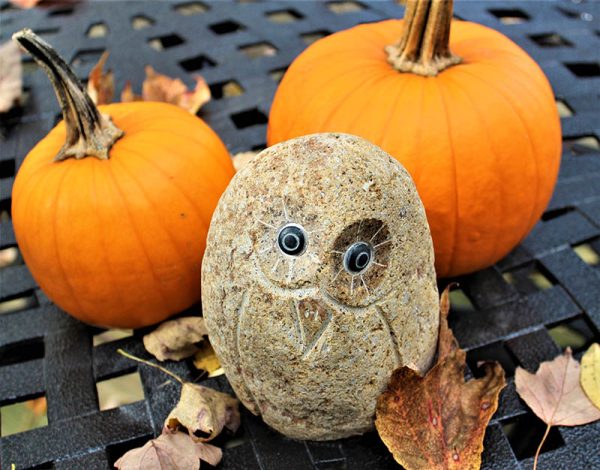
(292, 240)
(358, 257)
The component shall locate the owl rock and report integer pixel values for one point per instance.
(318, 281)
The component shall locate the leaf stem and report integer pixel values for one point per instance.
(151, 364)
(539, 449)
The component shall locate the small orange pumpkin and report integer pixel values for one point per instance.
(111, 209)
(477, 127)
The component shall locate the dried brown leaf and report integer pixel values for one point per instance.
(11, 75)
(240, 160)
(438, 421)
(171, 450)
(101, 85)
(127, 95)
(447, 343)
(159, 87)
(174, 339)
(204, 412)
(555, 394)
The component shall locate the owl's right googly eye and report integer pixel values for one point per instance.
(292, 240)
(358, 257)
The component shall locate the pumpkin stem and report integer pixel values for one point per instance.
(89, 133)
(423, 48)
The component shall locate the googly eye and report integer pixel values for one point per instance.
(292, 240)
(358, 257)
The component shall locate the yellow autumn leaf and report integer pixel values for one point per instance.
(590, 374)
(206, 359)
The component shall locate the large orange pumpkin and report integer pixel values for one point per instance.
(477, 127)
(112, 224)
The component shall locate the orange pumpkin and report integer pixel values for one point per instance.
(111, 209)
(477, 127)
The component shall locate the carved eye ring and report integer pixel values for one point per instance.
(292, 240)
(358, 257)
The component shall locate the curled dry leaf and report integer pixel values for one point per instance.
(204, 411)
(170, 450)
(174, 339)
(127, 95)
(590, 374)
(438, 421)
(206, 359)
(240, 160)
(11, 75)
(101, 85)
(158, 87)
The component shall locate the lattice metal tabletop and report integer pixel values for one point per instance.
(510, 312)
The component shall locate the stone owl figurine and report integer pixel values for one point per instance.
(318, 281)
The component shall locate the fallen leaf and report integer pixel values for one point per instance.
(174, 339)
(25, 4)
(101, 85)
(127, 95)
(11, 75)
(206, 359)
(240, 160)
(438, 421)
(555, 394)
(170, 450)
(590, 374)
(8, 256)
(158, 87)
(204, 411)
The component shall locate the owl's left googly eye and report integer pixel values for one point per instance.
(292, 240)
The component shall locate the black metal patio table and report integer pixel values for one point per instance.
(510, 312)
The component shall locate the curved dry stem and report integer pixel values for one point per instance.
(122, 352)
(423, 48)
(89, 133)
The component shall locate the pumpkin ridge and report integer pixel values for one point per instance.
(419, 132)
(138, 136)
(54, 224)
(532, 217)
(119, 192)
(393, 109)
(18, 195)
(367, 104)
(127, 116)
(454, 176)
(336, 54)
(322, 86)
(136, 128)
(176, 247)
(173, 183)
(100, 228)
(340, 103)
(484, 130)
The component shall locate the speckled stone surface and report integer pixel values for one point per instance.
(309, 339)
